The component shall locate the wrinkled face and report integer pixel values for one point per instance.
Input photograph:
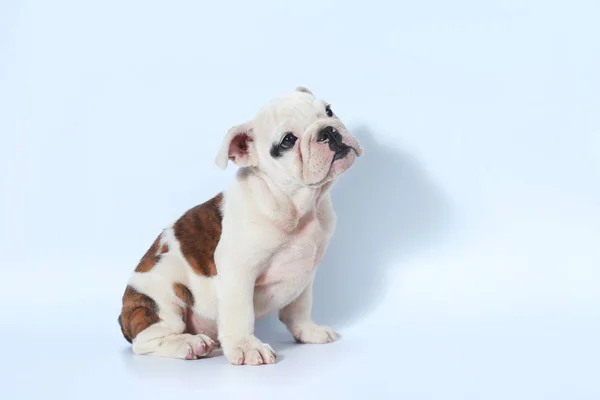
(296, 139)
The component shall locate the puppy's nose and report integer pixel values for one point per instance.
(332, 136)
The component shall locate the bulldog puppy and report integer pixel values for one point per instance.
(250, 250)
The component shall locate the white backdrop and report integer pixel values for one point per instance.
(466, 264)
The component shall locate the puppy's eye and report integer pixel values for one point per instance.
(288, 141)
(328, 111)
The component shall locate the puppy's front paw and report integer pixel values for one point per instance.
(249, 351)
(313, 333)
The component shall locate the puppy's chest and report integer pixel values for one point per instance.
(298, 256)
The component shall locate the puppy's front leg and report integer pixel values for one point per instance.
(236, 318)
(296, 317)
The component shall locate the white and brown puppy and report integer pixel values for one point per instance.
(251, 250)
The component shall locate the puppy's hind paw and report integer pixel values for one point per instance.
(199, 346)
(313, 333)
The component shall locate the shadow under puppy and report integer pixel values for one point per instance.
(250, 250)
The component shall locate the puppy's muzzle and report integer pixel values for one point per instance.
(330, 135)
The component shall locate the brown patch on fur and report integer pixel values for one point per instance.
(139, 312)
(152, 256)
(184, 294)
(198, 232)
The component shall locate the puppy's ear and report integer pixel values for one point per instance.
(238, 146)
(304, 90)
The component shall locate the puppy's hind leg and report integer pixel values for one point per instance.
(156, 328)
(164, 341)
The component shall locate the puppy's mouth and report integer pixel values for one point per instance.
(338, 155)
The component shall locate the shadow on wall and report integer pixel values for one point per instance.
(387, 209)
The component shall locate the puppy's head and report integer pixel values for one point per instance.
(295, 139)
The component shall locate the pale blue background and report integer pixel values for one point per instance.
(467, 260)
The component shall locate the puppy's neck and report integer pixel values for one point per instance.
(286, 203)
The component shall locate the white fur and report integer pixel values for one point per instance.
(277, 222)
